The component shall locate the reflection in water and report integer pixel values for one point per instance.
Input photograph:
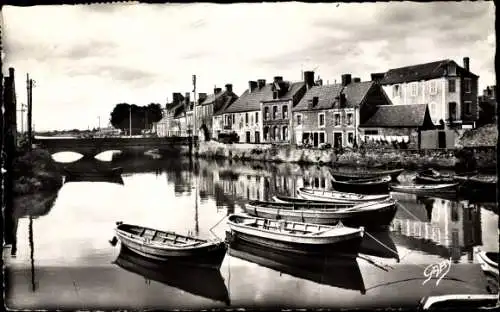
(199, 281)
(32, 254)
(342, 272)
(379, 244)
(437, 226)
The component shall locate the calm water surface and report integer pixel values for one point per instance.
(64, 258)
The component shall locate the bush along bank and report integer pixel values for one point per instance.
(35, 171)
(409, 159)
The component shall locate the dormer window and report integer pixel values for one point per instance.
(467, 85)
(275, 95)
(452, 70)
(315, 101)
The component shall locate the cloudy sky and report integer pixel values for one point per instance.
(86, 59)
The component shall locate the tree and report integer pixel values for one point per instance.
(142, 117)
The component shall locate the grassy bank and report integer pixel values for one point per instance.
(35, 172)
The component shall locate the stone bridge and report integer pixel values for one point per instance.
(90, 147)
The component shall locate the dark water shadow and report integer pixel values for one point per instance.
(199, 281)
(337, 271)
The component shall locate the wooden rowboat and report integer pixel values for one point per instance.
(169, 246)
(426, 189)
(431, 176)
(296, 237)
(205, 282)
(300, 200)
(363, 186)
(338, 197)
(347, 176)
(369, 215)
(460, 302)
(488, 261)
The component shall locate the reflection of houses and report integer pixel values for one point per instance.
(332, 113)
(449, 89)
(208, 111)
(453, 225)
(398, 123)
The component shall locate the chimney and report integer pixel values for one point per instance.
(261, 83)
(202, 97)
(319, 82)
(187, 100)
(229, 88)
(466, 63)
(278, 78)
(11, 72)
(252, 85)
(309, 79)
(377, 76)
(346, 79)
(217, 90)
(356, 79)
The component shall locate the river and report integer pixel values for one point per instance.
(63, 257)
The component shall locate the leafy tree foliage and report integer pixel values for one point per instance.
(141, 117)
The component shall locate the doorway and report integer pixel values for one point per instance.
(442, 139)
(257, 137)
(248, 137)
(315, 139)
(337, 139)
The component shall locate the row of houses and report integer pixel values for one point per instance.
(419, 104)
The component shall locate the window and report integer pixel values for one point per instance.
(275, 112)
(266, 113)
(452, 86)
(275, 94)
(452, 111)
(337, 119)
(467, 85)
(454, 212)
(396, 90)
(321, 137)
(433, 87)
(299, 119)
(246, 119)
(468, 107)
(256, 117)
(276, 133)
(350, 138)
(234, 119)
(285, 112)
(266, 132)
(285, 133)
(321, 119)
(414, 89)
(323, 183)
(349, 119)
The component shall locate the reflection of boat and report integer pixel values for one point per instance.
(379, 244)
(459, 301)
(488, 261)
(426, 189)
(345, 176)
(371, 214)
(336, 271)
(296, 237)
(337, 197)
(163, 245)
(363, 186)
(93, 178)
(431, 176)
(478, 185)
(205, 282)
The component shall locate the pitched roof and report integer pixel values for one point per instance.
(212, 97)
(251, 101)
(407, 116)
(329, 95)
(356, 92)
(418, 72)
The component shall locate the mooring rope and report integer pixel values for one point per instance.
(210, 230)
(383, 245)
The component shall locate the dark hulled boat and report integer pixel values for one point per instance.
(488, 261)
(478, 185)
(169, 246)
(337, 197)
(205, 282)
(101, 172)
(336, 271)
(379, 244)
(369, 215)
(347, 176)
(296, 237)
(363, 186)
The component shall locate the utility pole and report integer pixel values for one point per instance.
(29, 87)
(22, 110)
(194, 106)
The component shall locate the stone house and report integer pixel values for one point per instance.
(169, 126)
(487, 106)
(449, 89)
(245, 115)
(331, 114)
(210, 106)
(397, 123)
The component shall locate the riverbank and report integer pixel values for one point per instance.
(444, 159)
(35, 172)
